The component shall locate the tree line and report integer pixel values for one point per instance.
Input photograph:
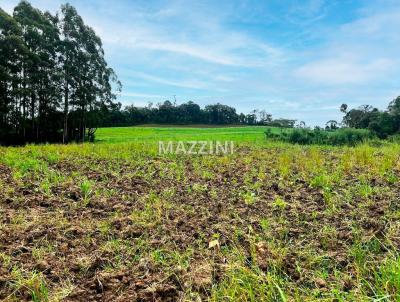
(187, 113)
(383, 123)
(54, 78)
(358, 125)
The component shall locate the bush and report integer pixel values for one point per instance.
(339, 137)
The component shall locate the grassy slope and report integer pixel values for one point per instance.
(286, 222)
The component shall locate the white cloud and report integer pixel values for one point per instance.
(375, 25)
(187, 83)
(142, 95)
(225, 49)
(361, 52)
(8, 7)
(307, 12)
(342, 70)
(190, 50)
(184, 30)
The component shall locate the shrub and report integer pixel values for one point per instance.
(339, 137)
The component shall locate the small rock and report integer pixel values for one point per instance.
(320, 282)
(42, 266)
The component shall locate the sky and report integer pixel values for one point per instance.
(294, 59)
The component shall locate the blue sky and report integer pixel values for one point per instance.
(295, 59)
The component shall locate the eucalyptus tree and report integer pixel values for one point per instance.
(38, 69)
(94, 89)
(12, 50)
(70, 25)
(87, 78)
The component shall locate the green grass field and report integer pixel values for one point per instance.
(153, 134)
(116, 221)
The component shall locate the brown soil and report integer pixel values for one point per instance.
(32, 220)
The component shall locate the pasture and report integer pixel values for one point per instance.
(154, 134)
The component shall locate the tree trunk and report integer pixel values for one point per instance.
(33, 100)
(66, 104)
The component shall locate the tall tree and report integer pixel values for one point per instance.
(38, 73)
(87, 78)
(12, 53)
